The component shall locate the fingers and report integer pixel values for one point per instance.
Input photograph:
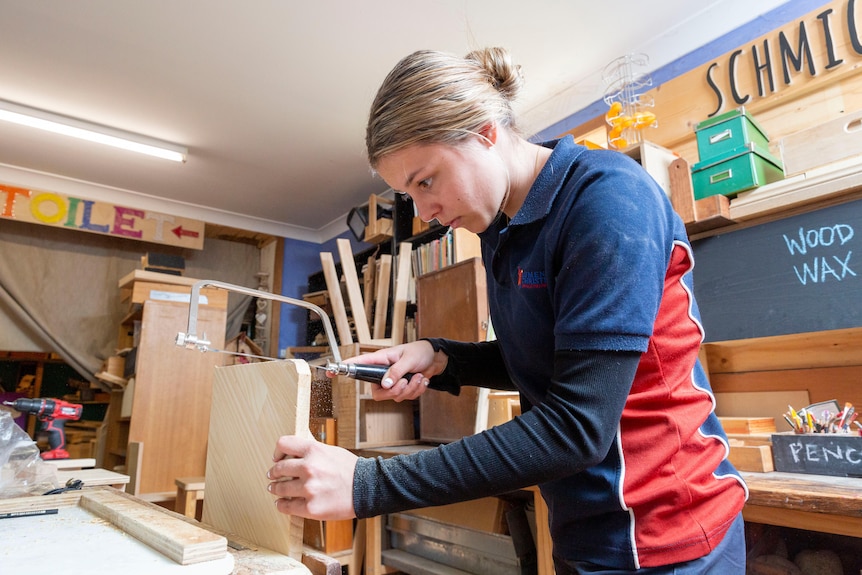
(292, 506)
(312, 479)
(291, 446)
(400, 390)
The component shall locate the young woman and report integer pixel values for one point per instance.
(589, 284)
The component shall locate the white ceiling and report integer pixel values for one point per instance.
(271, 96)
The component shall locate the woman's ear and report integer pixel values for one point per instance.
(489, 133)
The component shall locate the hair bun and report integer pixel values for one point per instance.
(505, 74)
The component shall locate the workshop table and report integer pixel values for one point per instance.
(246, 556)
(811, 502)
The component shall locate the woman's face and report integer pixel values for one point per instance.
(460, 185)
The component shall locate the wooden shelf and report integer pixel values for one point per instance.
(809, 502)
(168, 406)
(823, 186)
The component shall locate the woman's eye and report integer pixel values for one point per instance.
(425, 184)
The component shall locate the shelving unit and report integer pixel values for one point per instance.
(157, 423)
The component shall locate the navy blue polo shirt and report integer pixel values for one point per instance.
(568, 271)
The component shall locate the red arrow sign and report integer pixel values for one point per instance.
(180, 232)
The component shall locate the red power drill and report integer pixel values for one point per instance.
(53, 414)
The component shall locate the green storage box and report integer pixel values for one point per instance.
(727, 132)
(740, 169)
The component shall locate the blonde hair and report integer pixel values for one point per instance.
(435, 97)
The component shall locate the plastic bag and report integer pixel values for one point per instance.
(22, 470)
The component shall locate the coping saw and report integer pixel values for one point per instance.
(190, 340)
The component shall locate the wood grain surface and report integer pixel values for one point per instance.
(183, 542)
(97, 529)
(252, 406)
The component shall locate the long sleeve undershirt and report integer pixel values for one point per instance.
(570, 430)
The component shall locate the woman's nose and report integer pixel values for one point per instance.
(426, 211)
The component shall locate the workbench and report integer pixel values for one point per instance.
(810, 502)
(67, 534)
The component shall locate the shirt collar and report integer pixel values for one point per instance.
(549, 182)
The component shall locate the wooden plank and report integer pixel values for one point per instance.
(148, 276)
(143, 291)
(747, 424)
(333, 287)
(502, 407)
(821, 384)
(320, 564)
(804, 520)
(835, 140)
(810, 502)
(91, 532)
(815, 493)
(181, 541)
(252, 406)
(681, 193)
(369, 280)
(382, 276)
(829, 348)
(93, 477)
(403, 276)
(466, 245)
(758, 403)
(751, 457)
(710, 213)
(134, 463)
(354, 292)
(544, 545)
(171, 404)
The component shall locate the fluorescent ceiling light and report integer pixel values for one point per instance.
(91, 132)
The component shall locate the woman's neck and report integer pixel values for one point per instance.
(527, 160)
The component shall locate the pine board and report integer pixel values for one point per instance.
(170, 403)
(252, 406)
(183, 542)
(747, 424)
(823, 143)
(91, 543)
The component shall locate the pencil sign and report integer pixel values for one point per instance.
(53, 209)
(794, 275)
(818, 453)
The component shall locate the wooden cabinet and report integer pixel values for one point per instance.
(452, 303)
(157, 425)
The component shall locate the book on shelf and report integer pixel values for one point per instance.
(456, 245)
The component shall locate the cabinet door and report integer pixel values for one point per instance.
(173, 394)
(452, 303)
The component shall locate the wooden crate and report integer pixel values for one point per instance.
(765, 374)
(748, 457)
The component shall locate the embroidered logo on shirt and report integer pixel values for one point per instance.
(531, 280)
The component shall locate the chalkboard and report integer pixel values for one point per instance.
(794, 275)
(818, 453)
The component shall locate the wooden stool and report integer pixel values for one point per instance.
(189, 491)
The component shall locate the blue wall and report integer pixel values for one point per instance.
(301, 259)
